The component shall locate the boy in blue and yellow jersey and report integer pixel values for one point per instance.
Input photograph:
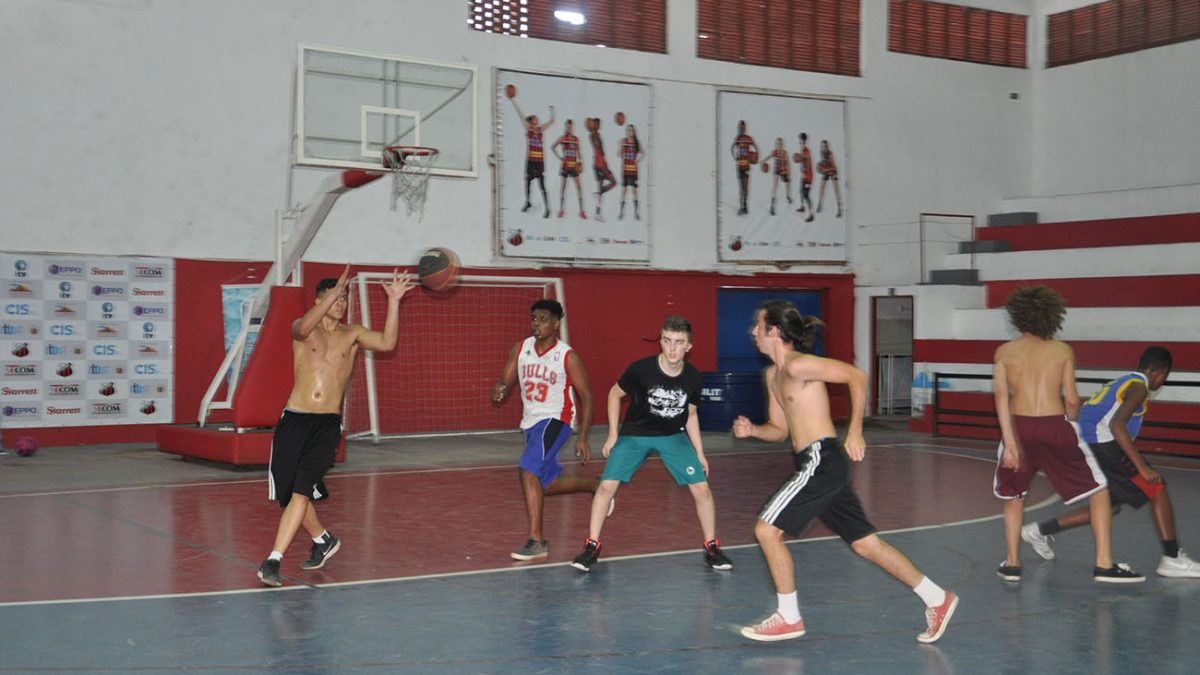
(1108, 423)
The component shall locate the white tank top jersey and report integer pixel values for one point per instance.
(545, 385)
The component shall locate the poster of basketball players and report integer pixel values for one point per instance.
(572, 156)
(781, 189)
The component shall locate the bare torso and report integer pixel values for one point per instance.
(805, 404)
(1040, 374)
(321, 368)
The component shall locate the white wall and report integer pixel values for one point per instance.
(1122, 122)
(161, 128)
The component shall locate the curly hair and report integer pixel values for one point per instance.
(1037, 310)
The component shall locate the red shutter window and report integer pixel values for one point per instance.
(946, 31)
(812, 35)
(1119, 27)
(623, 24)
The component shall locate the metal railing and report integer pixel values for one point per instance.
(937, 410)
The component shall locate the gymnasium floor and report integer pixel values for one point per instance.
(124, 559)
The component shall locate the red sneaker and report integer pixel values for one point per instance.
(774, 628)
(938, 618)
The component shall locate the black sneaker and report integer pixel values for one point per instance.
(321, 553)
(714, 558)
(1117, 574)
(591, 553)
(268, 573)
(1009, 572)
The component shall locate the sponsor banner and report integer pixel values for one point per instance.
(21, 349)
(100, 370)
(23, 289)
(64, 349)
(21, 413)
(20, 391)
(100, 350)
(85, 340)
(21, 370)
(20, 308)
(19, 329)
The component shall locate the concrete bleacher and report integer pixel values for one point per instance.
(1130, 282)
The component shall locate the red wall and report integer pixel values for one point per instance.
(610, 312)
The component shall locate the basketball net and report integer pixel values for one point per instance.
(410, 165)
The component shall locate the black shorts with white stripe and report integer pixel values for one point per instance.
(820, 488)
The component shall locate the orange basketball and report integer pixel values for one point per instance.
(438, 269)
(510, 90)
(766, 166)
(619, 118)
(753, 156)
(796, 157)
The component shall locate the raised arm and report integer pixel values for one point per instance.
(305, 325)
(508, 376)
(386, 341)
(615, 394)
(520, 113)
(583, 391)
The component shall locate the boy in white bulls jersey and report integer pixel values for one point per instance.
(548, 370)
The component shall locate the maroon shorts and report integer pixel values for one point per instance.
(1050, 444)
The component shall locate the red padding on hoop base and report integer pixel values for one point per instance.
(267, 380)
(353, 178)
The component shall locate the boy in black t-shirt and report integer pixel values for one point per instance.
(661, 418)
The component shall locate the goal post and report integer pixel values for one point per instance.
(452, 346)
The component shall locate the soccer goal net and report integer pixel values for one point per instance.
(451, 350)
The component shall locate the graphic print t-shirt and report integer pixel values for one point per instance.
(658, 402)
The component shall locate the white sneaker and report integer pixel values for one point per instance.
(1181, 567)
(1039, 541)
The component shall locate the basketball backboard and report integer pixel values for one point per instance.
(350, 105)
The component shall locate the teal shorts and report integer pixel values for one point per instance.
(677, 453)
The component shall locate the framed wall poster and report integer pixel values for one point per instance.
(781, 166)
(572, 158)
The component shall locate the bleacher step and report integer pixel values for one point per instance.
(1014, 218)
(956, 277)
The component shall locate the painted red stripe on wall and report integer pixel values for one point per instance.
(1170, 290)
(1088, 354)
(1170, 229)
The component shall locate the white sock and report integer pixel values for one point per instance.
(789, 607)
(275, 555)
(930, 593)
(321, 539)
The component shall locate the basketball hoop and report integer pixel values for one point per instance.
(410, 165)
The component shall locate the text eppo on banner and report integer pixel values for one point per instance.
(85, 340)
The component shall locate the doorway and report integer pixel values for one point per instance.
(891, 349)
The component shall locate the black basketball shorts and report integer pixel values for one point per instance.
(302, 450)
(820, 488)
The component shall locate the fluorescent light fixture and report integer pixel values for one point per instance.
(571, 17)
